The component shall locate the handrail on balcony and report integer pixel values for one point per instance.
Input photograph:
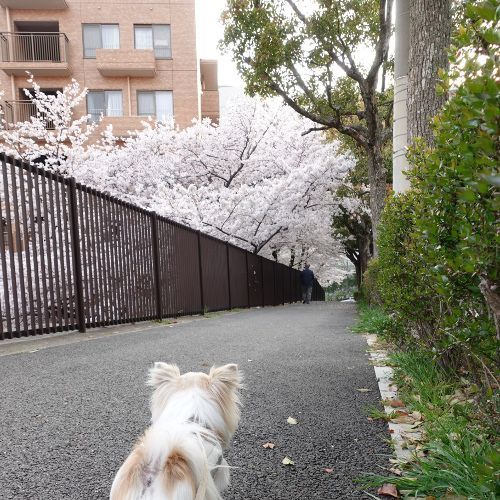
(33, 47)
(22, 111)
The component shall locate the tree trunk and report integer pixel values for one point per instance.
(364, 254)
(378, 189)
(430, 30)
(359, 275)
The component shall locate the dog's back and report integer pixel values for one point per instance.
(180, 455)
(169, 464)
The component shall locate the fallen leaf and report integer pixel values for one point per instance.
(363, 390)
(287, 461)
(403, 419)
(268, 445)
(328, 471)
(388, 489)
(396, 403)
(400, 413)
(291, 421)
(395, 471)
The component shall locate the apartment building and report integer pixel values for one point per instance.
(137, 58)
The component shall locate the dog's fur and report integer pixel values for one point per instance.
(180, 456)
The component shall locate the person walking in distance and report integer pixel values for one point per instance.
(306, 280)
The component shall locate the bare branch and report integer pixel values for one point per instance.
(382, 46)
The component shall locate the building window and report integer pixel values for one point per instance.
(157, 103)
(99, 36)
(156, 37)
(105, 103)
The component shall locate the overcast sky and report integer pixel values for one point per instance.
(210, 31)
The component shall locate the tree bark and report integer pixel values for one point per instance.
(430, 31)
(378, 189)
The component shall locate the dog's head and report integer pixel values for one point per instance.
(217, 391)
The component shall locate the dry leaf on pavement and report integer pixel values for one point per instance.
(268, 445)
(287, 461)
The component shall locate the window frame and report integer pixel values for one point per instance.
(104, 114)
(100, 36)
(154, 93)
(153, 48)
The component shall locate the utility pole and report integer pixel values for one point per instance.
(400, 126)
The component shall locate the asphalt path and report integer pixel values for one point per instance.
(70, 413)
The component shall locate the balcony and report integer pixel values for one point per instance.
(210, 105)
(124, 62)
(210, 90)
(42, 54)
(35, 4)
(22, 111)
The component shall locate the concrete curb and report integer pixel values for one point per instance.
(401, 433)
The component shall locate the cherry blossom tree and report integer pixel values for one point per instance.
(53, 133)
(254, 180)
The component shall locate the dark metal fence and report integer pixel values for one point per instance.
(72, 258)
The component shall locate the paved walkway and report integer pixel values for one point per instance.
(70, 413)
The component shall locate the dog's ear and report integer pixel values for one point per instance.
(163, 373)
(228, 375)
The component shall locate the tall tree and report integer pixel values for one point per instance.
(430, 31)
(314, 55)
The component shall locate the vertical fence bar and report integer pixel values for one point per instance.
(202, 295)
(228, 277)
(26, 235)
(10, 243)
(262, 280)
(77, 258)
(16, 168)
(248, 279)
(33, 234)
(156, 263)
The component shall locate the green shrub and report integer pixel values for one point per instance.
(369, 287)
(403, 281)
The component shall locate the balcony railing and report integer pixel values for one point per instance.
(22, 111)
(97, 114)
(34, 47)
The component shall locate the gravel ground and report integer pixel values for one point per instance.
(70, 414)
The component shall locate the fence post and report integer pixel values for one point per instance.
(283, 280)
(248, 279)
(262, 280)
(228, 276)
(76, 255)
(156, 264)
(202, 295)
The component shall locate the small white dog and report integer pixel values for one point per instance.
(179, 457)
